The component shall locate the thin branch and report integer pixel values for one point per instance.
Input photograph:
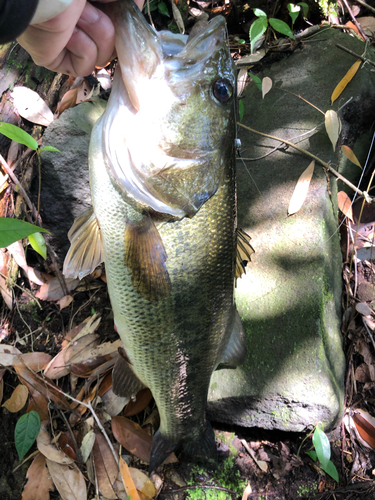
(358, 26)
(364, 4)
(358, 56)
(316, 158)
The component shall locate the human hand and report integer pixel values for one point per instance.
(73, 42)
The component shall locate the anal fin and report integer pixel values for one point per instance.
(235, 351)
(244, 252)
(145, 256)
(125, 382)
(86, 249)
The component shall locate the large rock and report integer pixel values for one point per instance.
(290, 298)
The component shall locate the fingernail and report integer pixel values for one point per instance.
(89, 14)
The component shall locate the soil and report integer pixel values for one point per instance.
(281, 469)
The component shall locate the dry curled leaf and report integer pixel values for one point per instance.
(39, 482)
(53, 291)
(301, 189)
(68, 480)
(48, 449)
(344, 82)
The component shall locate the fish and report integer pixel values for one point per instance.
(163, 220)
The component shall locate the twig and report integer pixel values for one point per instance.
(316, 158)
(363, 58)
(364, 4)
(358, 26)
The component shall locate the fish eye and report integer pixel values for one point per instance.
(222, 90)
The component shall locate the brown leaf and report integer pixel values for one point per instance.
(134, 439)
(365, 424)
(350, 155)
(17, 400)
(65, 301)
(38, 403)
(68, 480)
(53, 291)
(18, 252)
(344, 82)
(66, 444)
(143, 398)
(69, 100)
(35, 361)
(301, 189)
(246, 492)
(60, 365)
(8, 354)
(345, 204)
(39, 483)
(113, 404)
(127, 480)
(49, 450)
(31, 106)
(35, 382)
(106, 468)
(142, 482)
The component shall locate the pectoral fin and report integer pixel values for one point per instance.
(125, 382)
(235, 351)
(244, 251)
(145, 256)
(86, 249)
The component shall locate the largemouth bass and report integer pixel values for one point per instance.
(162, 180)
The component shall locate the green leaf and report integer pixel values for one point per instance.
(162, 8)
(12, 230)
(241, 109)
(259, 13)
(257, 29)
(257, 80)
(25, 433)
(293, 11)
(322, 446)
(281, 27)
(36, 240)
(331, 470)
(49, 148)
(305, 8)
(312, 455)
(18, 135)
(241, 41)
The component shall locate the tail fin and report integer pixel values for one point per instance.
(200, 449)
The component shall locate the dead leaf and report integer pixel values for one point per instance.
(113, 404)
(333, 126)
(266, 85)
(365, 424)
(141, 481)
(178, 18)
(8, 354)
(52, 290)
(143, 398)
(350, 155)
(106, 468)
(301, 189)
(36, 361)
(39, 483)
(18, 252)
(31, 106)
(345, 204)
(60, 365)
(49, 450)
(260, 463)
(367, 24)
(69, 100)
(246, 492)
(17, 400)
(242, 80)
(127, 480)
(87, 445)
(344, 82)
(68, 480)
(134, 439)
(364, 309)
(35, 382)
(65, 301)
